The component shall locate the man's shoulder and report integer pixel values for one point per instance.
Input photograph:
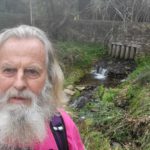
(66, 117)
(74, 139)
(68, 121)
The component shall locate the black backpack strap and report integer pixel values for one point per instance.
(59, 131)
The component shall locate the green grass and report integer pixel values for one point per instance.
(130, 126)
(77, 54)
(104, 120)
(76, 58)
(139, 90)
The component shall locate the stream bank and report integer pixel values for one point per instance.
(113, 117)
(102, 109)
(116, 72)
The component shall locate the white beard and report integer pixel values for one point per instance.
(22, 125)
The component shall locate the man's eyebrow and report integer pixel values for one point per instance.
(34, 67)
(6, 65)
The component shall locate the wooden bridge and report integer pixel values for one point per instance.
(123, 51)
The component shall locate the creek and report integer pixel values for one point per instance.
(101, 77)
(108, 72)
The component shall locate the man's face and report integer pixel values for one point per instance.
(22, 67)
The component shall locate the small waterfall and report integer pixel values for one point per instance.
(100, 73)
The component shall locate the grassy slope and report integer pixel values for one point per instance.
(120, 114)
(77, 58)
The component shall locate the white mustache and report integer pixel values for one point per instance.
(13, 93)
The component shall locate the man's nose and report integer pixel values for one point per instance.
(20, 81)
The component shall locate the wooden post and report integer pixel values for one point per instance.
(123, 49)
(126, 56)
(113, 50)
(132, 53)
(117, 51)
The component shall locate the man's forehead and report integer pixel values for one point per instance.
(32, 43)
(28, 49)
(22, 42)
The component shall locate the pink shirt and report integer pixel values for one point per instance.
(73, 136)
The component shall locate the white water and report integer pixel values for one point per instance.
(100, 73)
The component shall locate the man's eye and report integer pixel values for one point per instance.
(9, 71)
(31, 73)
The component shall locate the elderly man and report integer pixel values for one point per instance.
(31, 93)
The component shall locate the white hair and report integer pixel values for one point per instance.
(54, 71)
(24, 124)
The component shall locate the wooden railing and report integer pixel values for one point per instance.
(123, 51)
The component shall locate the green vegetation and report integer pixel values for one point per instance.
(124, 111)
(76, 58)
(115, 118)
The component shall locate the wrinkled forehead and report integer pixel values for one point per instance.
(30, 32)
(24, 46)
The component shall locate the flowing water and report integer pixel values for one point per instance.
(100, 76)
(109, 72)
(100, 73)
